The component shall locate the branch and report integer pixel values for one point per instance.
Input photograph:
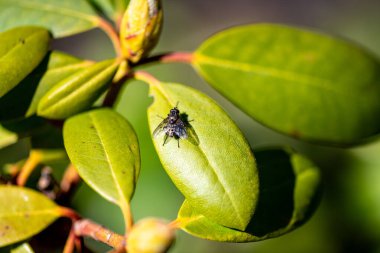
(70, 243)
(97, 232)
(117, 83)
(181, 57)
(145, 77)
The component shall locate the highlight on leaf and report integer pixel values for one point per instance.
(28, 207)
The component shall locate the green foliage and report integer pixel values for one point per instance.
(307, 85)
(29, 213)
(12, 131)
(295, 81)
(21, 50)
(60, 66)
(288, 193)
(24, 98)
(77, 92)
(208, 173)
(61, 17)
(106, 157)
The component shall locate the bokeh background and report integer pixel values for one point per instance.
(348, 219)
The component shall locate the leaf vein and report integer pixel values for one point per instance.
(270, 71)
(108, 159)
(30, 213)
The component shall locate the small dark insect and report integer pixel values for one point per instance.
(173, 126)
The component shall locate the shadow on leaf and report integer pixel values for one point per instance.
(15, 103)
(289, 194)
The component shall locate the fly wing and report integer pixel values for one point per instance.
(181, 129)
(160, 128)
(183, 133)
(192, 135)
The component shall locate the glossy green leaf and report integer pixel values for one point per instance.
(301, 83)
(77, 92)
(217, 174)
(61, 17)
(22, 100)
(104, 148)
(23, 248)
(26, 214)
(21, 50)
(289, 194)
(60, 66)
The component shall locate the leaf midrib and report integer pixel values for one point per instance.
(69, 67)
(108, 159)
(270, 71)
(52, 211)
(225, 189)
(83, 86)
(53, 9)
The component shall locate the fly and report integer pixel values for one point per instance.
(175, 125)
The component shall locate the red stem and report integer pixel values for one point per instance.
(182, 57)
(145, 77)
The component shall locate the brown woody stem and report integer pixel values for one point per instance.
(97, 232)
(117, 83)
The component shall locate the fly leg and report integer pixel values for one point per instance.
(165, 139)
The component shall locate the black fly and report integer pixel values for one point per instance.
(173, 126)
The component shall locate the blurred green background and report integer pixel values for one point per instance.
(348, 219)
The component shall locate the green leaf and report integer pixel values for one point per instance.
(60, 66)
(77, 92)
(23, 99)
(26, 214)
(21, 50)
(12, 131)
(301, 83)
(217, 173)
(289, 194)
(23, 248)
(15, 103)
(61, 17)
(103, 147)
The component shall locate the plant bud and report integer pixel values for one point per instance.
(150, 235)
(140, 28)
